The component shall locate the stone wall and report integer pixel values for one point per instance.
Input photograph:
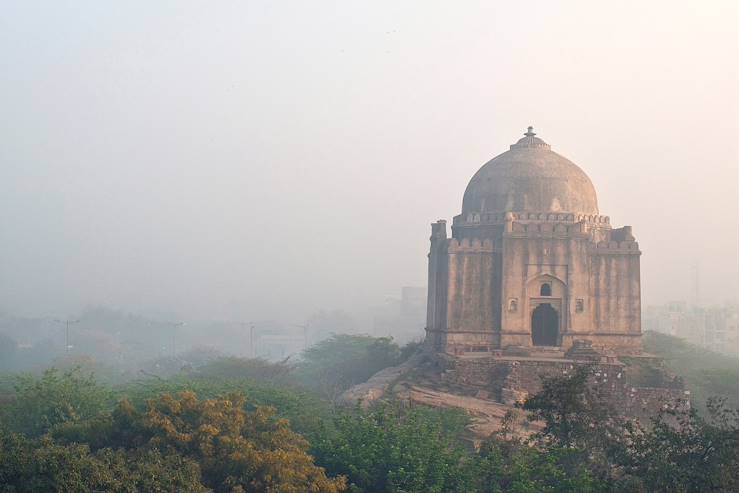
(509, 380)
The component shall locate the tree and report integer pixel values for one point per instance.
(237, 450)
(8, 349)
(579, 419)
(40, 403)
(391, 449)
(569, 408)
(235, 368)
(335, 364)
(30, 466)
(685, 452)
(511, 465)
(304, 409)
(681, 451)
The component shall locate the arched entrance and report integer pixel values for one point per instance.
(545, 326)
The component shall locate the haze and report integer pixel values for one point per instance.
(233, 160)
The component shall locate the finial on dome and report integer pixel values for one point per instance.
(530, 140)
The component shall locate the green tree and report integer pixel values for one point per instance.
(41, 402)
(681, 451)
(8, 350)
(335, 364)
(302, 408)
(234, 368)
(511, 465)
(569, 408)
(31, 466)
(684, 452)
(579, 418)
(391, 449)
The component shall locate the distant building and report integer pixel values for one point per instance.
(715, 328)
(402, 319)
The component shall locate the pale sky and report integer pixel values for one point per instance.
(266, 159)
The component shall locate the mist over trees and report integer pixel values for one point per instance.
(251, 425)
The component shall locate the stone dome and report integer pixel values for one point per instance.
(530, 177)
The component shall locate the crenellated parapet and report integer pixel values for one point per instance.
(477, 218)
(522, 229)
(530, 229)
(618, 242)
(467, 245)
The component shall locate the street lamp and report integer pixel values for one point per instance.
(67, 345)
(174, 325)
(251, 335)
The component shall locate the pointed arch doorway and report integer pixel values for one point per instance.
(545, 326)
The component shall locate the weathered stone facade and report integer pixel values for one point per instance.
(531, 262)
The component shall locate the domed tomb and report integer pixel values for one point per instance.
(530, 177)
(532, 263)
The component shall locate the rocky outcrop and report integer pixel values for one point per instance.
(487, 416)
(365, 394)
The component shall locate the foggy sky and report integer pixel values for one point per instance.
(267, 159)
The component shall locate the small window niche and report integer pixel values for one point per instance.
(546, 289)
(579, 305)
(513, 305)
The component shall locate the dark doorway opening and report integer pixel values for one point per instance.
(545, 326)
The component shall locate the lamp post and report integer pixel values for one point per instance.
(66, 322)
(174, 326)
(251, 336)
